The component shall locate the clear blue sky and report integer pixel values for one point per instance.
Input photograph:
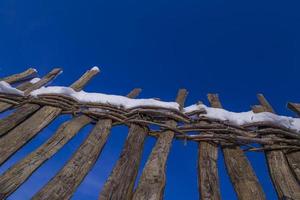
(234, 48)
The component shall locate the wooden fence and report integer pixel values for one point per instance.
(31, 115)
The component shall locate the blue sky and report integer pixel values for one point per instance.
(234, 48)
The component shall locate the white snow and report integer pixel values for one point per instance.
(95, 68)
(242, 118)
(7, 88)
(35, 80)
(236, 118)
(115, 100)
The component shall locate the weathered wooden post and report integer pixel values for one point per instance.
(23, 112)
(65, 182)
(21, 134)
(120, 183)
(152, 182)
(293, 157)
(240, 171)
(282, 177)
(19, 77)
(208, 177)
(15, 78)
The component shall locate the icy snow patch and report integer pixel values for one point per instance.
(242, 118)
(116, 100)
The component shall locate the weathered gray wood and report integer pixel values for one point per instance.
(63, 185)
(153, 179)
(18, 173)
(19, 77)
(120, 183)
(24, 111)
(46, 79)
(240, 171)
(294, 156)
(24, 132)
(5, 106)
(285, 182)
(208, 176)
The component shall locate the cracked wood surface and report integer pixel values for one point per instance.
(65, 182)
(19, 77)
(121, 181)
(20, 172)
(24, 132)
(153, 179)
(239, 169)
(284, 181)
(26, 110)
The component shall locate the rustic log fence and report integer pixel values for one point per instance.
(30, 115)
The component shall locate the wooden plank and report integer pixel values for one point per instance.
(120, 183)
(20, 172)
(282, 177)
(20, 135)
(65, 182)
(26, 110)
(240, 171)
(153, 179)
(19, 77)
(208, 176)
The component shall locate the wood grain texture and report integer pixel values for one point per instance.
(153, 179)
(239, 169)
(24, 132)
(208, 176)
(21, 134)
(293, 157)
(20, 172)
(5, 106)
(14, 119)
(284, 181)
(19, 77)
(120, 183)
(26, 110)
(64, 184)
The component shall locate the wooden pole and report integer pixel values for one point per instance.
(14, 78)
(24, 132)
(26, 110)
(65, 182)
(240, 171)
(121, 181)
(20, 172)
(208, 177)
(19, 77)
(153, 179)
(282, 177)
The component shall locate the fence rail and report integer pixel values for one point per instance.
(31, 114)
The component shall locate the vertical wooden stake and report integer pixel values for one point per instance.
(282, 177)
(238, 166)
(152, 182)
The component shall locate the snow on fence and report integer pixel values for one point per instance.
(36, 105)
